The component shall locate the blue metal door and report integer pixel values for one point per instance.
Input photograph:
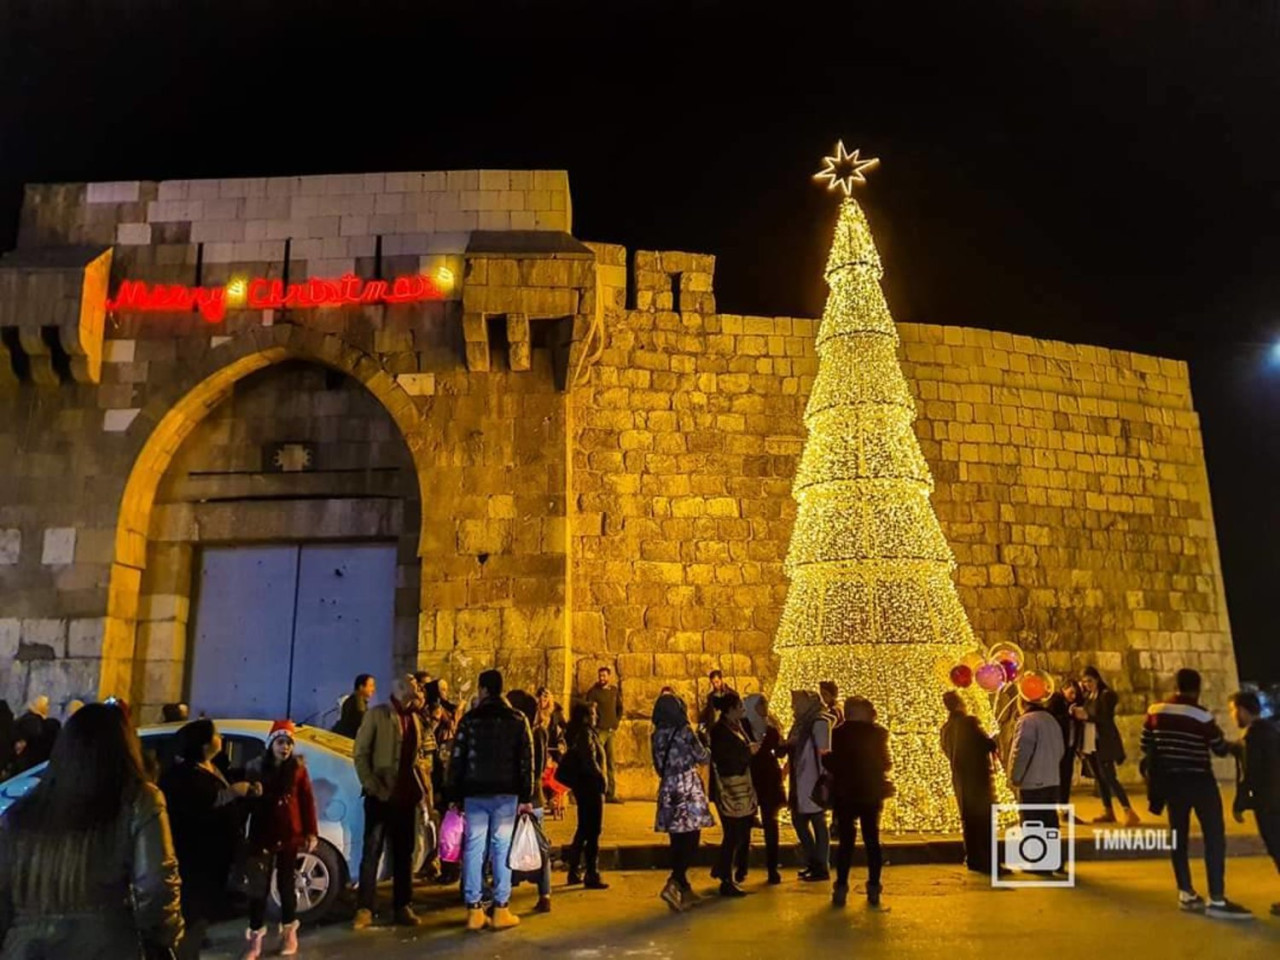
(282, 630)
(243, 625)
(344, 624)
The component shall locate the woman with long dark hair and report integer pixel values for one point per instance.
(87, 866)
(584, 764)
(1102, 744)
(683, 811)
(1064, 698)
(206, 827)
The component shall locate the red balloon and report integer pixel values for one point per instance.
(1032, 687)
(961, 675)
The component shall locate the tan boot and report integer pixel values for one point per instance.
(289, 939)
(253, 944)
(503, 918)
(363, 919)
(1131, 818)
(475, 918)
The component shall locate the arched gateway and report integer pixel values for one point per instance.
(149, 641)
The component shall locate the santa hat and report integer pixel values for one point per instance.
(282, 728)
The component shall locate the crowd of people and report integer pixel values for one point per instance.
(98, 832)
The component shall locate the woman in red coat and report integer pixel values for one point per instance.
(282, 823)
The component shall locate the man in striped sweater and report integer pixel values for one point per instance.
(1178, 737)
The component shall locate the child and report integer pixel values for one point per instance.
(282, 822)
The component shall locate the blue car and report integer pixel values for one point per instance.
(335, 862)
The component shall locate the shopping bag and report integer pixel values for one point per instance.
(451, 830)
(526, 851)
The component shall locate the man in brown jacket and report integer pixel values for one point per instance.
(393, 763)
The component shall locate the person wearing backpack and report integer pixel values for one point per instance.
(1257, 755)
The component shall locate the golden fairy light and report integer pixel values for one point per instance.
(871, 602)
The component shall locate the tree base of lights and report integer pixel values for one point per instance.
(903, 686)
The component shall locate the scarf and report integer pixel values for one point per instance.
(759, 724)
(807, 713)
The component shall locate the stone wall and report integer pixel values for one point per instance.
(581, 440)
(1070, 483)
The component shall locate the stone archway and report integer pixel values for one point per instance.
(171, 416)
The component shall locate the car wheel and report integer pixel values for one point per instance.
(319, 878)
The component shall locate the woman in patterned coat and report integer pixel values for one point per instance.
(683, 810)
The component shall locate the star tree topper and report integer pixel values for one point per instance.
(844, 169)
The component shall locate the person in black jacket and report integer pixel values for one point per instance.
(1060, 704)
(584, 764)
(731, 753)
(207, 826)
(355, 706)
(1257, 756)
(1103, 745)
(528, 705)
(858, 762)
(970, 751)
(491, 776)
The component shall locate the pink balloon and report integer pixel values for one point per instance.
(990, 677)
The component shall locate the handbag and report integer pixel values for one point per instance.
(528, 850)
(452, 828)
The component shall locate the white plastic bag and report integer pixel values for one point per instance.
(525, 854)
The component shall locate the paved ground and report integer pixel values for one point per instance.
(629, 841)
(1120, 911)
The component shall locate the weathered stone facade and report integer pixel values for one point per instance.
(557, 436)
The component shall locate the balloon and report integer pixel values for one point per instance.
(1010, 668)
(1004, 650)
(961, 675)
(1034, 686)
(990, 677)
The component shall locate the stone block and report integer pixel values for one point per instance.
(59, 546)
(84, 638)
(43, 639)
(10, 636)
(10, 546)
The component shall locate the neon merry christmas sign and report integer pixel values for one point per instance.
(263, 294)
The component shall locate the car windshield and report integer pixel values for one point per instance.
(339, 744)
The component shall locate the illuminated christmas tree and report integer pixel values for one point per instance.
(872, 604)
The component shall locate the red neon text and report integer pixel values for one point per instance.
(264, 294)
(136, 295)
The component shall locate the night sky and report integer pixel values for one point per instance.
(1066, 170)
